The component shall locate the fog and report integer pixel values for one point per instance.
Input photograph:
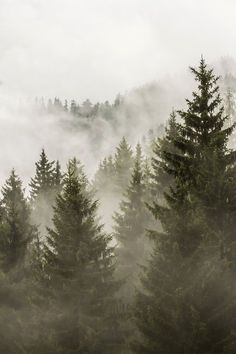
(98, 48)
(25, 130)
(149, 267)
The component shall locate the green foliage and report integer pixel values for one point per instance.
(114, 173)
(129, 230)
(44, 177)
(16, 231)
(131, 222)
(123, 163)
(187, 305)
(16, 234)
(78, 274)
(44, 187)
(161, 178)
(105, 176)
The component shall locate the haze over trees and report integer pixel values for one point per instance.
(159, 275)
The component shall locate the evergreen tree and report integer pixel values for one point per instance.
(65, 106)
(78, 168)
(57, 177)
(123, 165)
(147, 179)
(78, 274)
(57, 105)
(43, 190)
(133, 247)
(104, 177)
(44, 177)
(73, 107)
(188, 303)
(105, 191)
(16, 234)
(161, 179)
(15, 225)
(129, 229)
(86, 109)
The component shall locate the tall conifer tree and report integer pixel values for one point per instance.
(130, 226)
(78, 274)
(123, 165)
(16, 234)
(44, 187)
(43, 181)
(17, 231)
(188, 303)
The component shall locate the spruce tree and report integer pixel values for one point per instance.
(16, 234)
(104, 177)
(123, 162)
(43, 180)
(187, 305)
(57, 178)
(73, 107)
(43, 189)
(161, 179)
(65, 107)
(130, 226)
(78, 169)
(78, 266)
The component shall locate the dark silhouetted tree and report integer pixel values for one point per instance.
(78, 274)
(187, 305)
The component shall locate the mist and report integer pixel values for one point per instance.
(99, 48)
(117, 177)
(96, 50)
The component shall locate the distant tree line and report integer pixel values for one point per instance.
(85, 110)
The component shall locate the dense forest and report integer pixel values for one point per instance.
(138, 259)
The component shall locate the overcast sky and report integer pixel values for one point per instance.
(97, 48)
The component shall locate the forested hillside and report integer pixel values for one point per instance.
(138, 257)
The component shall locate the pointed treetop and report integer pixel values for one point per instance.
(44, 176)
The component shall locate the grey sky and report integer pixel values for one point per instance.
(97, 48)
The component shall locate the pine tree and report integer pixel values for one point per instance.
(86, 109)
(78, 274)
(78, 168)
(15, 225)
(133, 247)
(123, 165)
(57, 178)
(188, 302)
(161, 179)
(147, 179)
(130, 226)
(73, 107)
(104, 177)
(44, 175)
(16, 234)
(57, 105)
(43, 190)
(65, 106)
